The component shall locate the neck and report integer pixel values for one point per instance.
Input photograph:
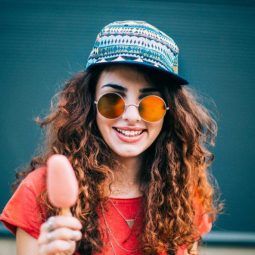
(126, 182)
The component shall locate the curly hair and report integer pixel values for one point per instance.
(174, 176)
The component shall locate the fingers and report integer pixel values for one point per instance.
(57, 246)
(59, 234)
(61, 221)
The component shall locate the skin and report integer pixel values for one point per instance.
(132, 81)
(66, 229)
(65, 232)
(126, 183)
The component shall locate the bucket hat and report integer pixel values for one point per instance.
(136, 42)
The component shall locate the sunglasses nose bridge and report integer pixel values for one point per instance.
(131, 113)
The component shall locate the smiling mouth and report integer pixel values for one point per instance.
(129, 133)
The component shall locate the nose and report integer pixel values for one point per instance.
(131, 114)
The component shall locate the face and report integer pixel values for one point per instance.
(128, 135)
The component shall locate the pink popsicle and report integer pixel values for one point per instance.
(62, 184)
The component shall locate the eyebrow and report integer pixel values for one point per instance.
(123, 89)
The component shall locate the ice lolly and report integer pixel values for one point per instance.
(62, 184)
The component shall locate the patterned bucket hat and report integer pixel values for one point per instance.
(136, 42)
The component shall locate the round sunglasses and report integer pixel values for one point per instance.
(151, 108)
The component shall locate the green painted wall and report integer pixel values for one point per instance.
(43, 42)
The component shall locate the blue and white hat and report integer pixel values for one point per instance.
(136, 42)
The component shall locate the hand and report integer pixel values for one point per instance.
(58, 235)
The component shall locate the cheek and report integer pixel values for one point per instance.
(156, 128)
(104, 125)
(101, 124)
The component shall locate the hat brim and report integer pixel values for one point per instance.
(173, 78)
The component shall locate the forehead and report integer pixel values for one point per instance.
(125, 76)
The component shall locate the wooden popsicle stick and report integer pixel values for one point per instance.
(65, 212)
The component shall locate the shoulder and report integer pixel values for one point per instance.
(24, 210)
(202, 219)
(36, 180)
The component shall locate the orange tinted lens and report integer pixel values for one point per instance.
(152, 108)
(111, 105)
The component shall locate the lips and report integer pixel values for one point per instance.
(130, 135)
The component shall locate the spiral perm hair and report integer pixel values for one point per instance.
(174, 177)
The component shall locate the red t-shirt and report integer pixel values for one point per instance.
(24, 211)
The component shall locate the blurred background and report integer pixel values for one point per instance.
(44, 42)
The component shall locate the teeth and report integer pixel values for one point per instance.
(128, 132)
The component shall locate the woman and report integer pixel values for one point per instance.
(136, 138)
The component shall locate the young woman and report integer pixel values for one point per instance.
(137, 139)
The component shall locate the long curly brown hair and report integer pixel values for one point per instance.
(174, 175)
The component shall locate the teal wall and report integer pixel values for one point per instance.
(43, 42)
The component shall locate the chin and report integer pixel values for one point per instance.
(128, 153)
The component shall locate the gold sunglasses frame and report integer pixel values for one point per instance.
(127, 105)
